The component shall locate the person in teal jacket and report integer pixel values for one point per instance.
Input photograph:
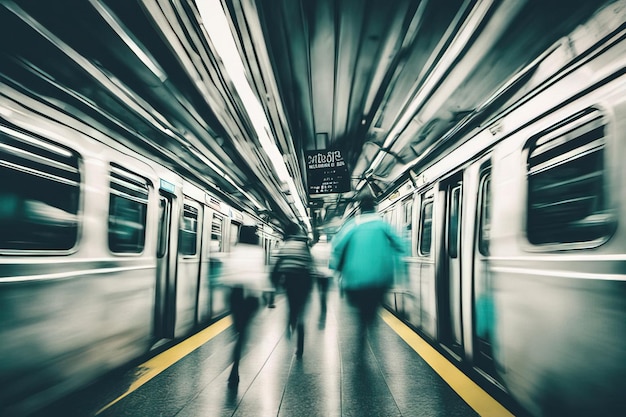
(366, 252)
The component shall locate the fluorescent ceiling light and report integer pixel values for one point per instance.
(217, 27)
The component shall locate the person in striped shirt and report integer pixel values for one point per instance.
(293, 271)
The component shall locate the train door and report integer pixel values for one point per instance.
(187, 277)
(482, 286)
(164, 314)
(405, 299)
(449, 286)
(424, 286)
(219, 294)
(205, 278)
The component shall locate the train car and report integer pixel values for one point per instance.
(105, 255)
(517, 268)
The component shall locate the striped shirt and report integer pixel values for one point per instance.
(294, 255)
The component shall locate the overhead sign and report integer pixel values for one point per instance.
(327, 172)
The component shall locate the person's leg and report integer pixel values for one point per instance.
(300, 345)
(271, 297)
(233, 378)
(369, 305)
(237, 310)
(302, 295)
(292, 315)
(371, 300)
(301, 299)
(357, 300)
(322, 287)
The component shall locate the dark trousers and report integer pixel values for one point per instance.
(298, 288)
(323, 282)
(242, 308)
(367, 302)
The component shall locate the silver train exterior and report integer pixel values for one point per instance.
(517, 267)
(104, 255)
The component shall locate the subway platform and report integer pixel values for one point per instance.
(395, 374)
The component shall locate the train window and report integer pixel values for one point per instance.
(39, 194)
(566, 182)
(407, 221)
(128, 206)
(407, 210)
(164, 226)
(189, 231)
(485, 213)
(453, 222)
(426, 227)
(388, 217)
(216, 234)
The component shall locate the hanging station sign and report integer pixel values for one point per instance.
(327, 172)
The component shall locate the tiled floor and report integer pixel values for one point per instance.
(335, 377)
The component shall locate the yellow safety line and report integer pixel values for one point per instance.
(153, 367)
(483, 403)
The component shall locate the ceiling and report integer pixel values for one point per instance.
(143, 74)
(391, 84)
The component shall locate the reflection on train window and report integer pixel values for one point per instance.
(234, 234)
(567, 184)
(189, 231)
(426, 226)
(127, 211)
(39, 194)
(485, 214)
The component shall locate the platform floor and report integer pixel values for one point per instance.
(335, 377)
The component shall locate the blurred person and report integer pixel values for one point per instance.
(293, 271)
(366, 252)
(242, 307)
(323, 275)
(244, 272)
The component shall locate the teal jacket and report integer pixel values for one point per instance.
(366, 251)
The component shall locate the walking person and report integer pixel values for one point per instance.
(244, 273)
(323, 275)
(366, 252)
(293, 271)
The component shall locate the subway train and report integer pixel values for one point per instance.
(517, 260)
(104, 255)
